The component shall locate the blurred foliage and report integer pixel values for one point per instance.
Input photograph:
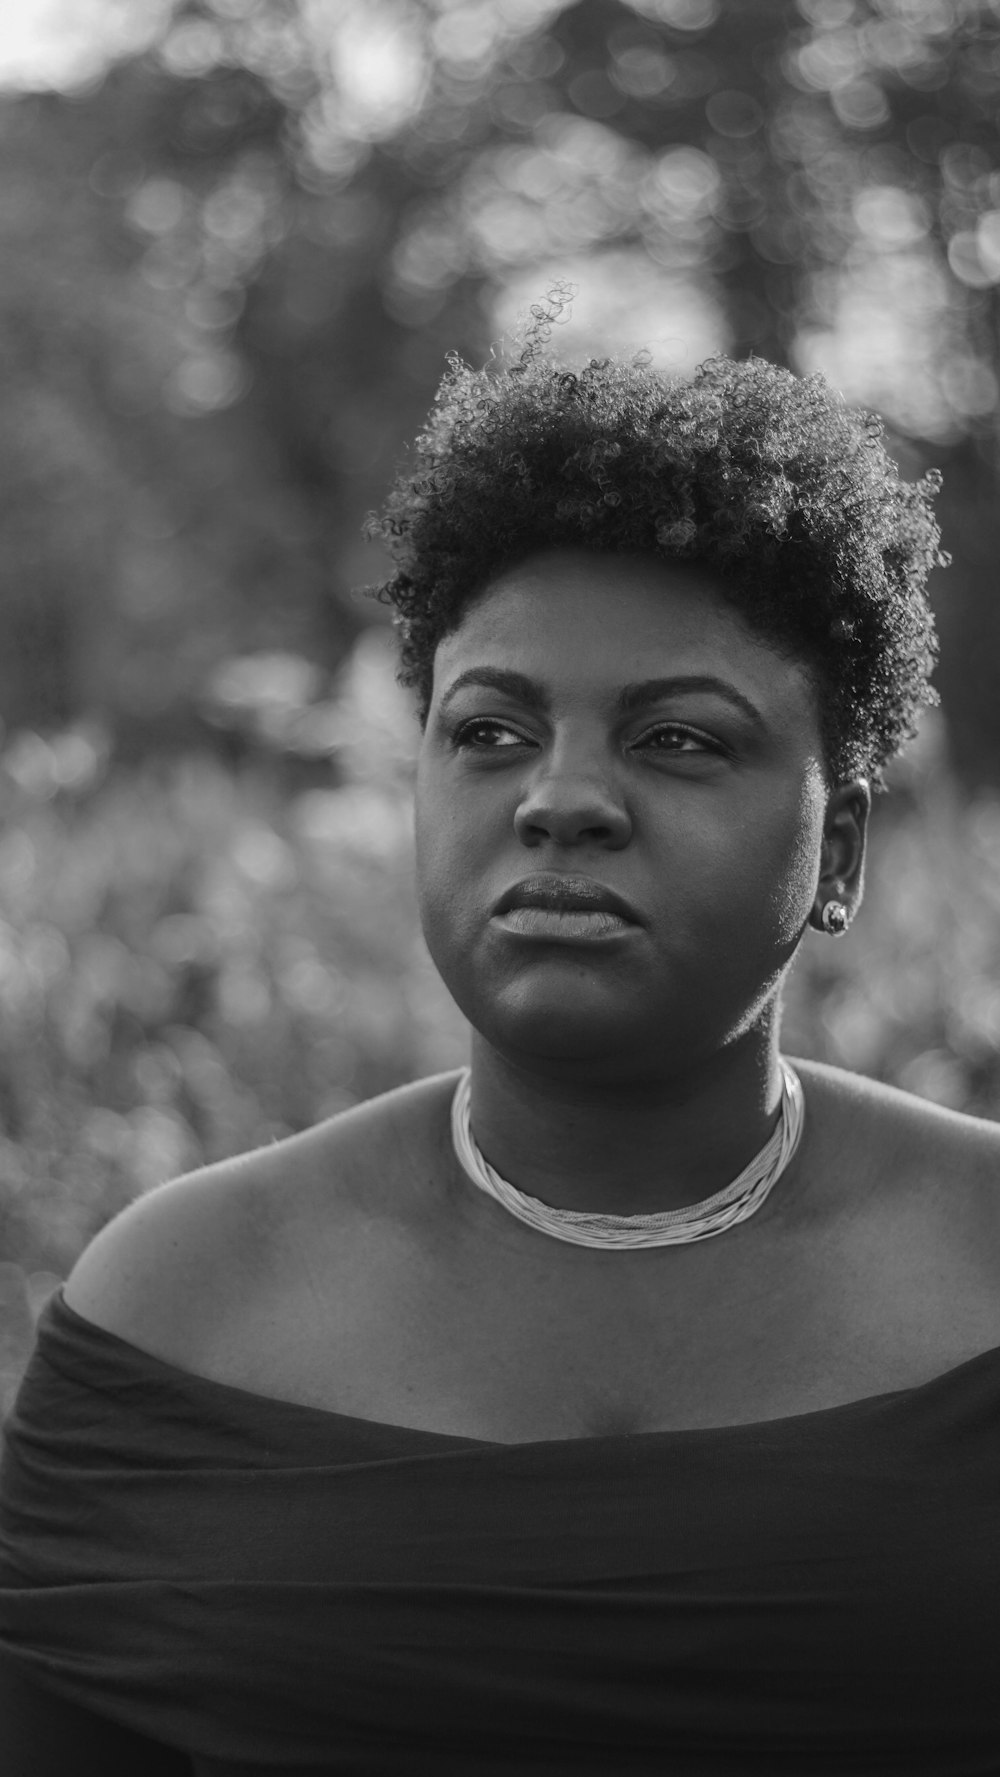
(237, 238)
(195, 961)
(239, 235)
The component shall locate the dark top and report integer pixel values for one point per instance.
(267, 1586)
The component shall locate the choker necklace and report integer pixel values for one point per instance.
(669, 1227)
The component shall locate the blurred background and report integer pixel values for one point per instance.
(237, 238)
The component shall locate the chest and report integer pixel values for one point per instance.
(509, 1339)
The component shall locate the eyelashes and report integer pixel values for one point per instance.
(701, 743)
(463, 738)
(495, 736)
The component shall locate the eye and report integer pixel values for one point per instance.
(670, 737)
(488, 736)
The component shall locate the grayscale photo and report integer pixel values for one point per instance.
(500, 888)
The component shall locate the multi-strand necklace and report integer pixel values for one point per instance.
(669, 1227)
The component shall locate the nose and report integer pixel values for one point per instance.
(570, 806)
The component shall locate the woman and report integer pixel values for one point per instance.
(640, 1412)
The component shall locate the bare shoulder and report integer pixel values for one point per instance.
(895, 1114)
(162, 1259)
(904, 1148)
(170, 1266)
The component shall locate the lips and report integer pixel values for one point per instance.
(565, 894)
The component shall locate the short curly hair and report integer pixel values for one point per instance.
(765, 477)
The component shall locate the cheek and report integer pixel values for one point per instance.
(441, 850)
(797, 860)
(431, 868)
(755, 878)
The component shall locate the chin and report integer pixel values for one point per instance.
(561, 1026)
(556, 1040)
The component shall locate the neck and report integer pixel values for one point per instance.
(626, 1146)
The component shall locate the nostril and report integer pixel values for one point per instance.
(571, 820)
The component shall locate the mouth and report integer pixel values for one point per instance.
(563, 907)
(548, 922)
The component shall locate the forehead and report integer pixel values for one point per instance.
(590, 623)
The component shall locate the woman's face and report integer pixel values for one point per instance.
(609, 718)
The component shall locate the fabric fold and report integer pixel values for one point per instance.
(289, 1588)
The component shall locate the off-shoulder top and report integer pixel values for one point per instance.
(270, 1587)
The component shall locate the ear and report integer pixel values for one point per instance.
(842, 860)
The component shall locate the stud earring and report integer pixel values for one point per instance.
(835, 919)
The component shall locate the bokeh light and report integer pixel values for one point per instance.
(238, 239)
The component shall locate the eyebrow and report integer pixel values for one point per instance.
(631, 697)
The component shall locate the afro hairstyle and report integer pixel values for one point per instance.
(766, 478)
